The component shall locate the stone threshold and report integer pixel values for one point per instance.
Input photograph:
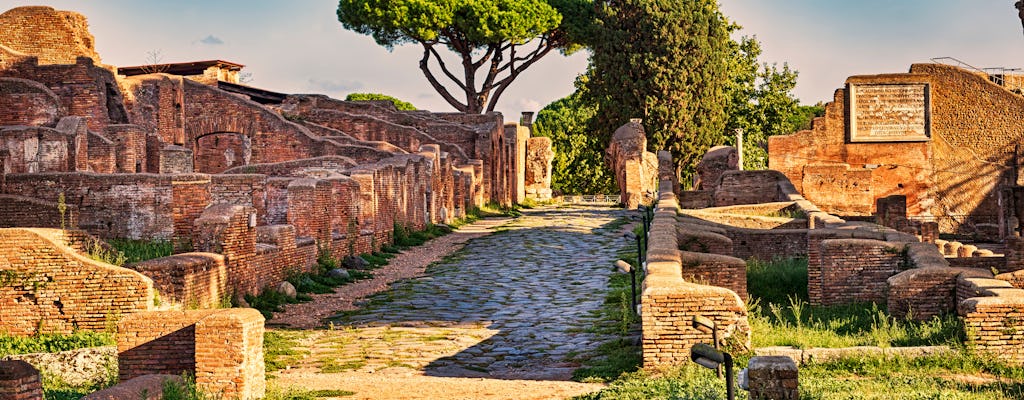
(821, 354)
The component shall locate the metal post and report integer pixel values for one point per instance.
(632, 274)
(730, 390)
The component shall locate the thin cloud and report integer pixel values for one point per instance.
(334, 86)
(211, 40)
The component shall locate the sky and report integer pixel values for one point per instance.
(299, 46)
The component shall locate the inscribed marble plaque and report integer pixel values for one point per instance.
(889, 112)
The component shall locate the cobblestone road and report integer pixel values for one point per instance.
(518, 304)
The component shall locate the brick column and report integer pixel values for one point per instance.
(229, 354)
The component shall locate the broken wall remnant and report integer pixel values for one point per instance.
(538, 168)
(635, 168)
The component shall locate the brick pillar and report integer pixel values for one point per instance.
(19, 380)
(773, 377)
(229, 354)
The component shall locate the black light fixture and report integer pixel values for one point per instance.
(708, 357)
(705, 324)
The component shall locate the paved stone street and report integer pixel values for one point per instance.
(518, 304)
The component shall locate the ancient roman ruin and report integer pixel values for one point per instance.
(250, 185)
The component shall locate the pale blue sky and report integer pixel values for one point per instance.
(299, 47)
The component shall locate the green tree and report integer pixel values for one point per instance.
(579, 166)
(760, 102)
(667, 62)
(399, 104)
(495, 40)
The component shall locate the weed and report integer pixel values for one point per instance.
(52, 343)
(280, 349)
(141, 250)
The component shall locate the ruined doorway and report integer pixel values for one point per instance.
(220, 151)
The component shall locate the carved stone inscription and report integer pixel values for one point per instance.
(889, 113)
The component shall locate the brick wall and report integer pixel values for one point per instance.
(19, 211)
(748, 187)
(715, 270)
(635, 169)
(193, 280)
(852, 270)
(222, 348)
(973, 126)
(994, 325)
(924, 292)
(25, 102)
(768, 245)
(49, 287)
(56, 37)
(699, 240)
(668, 302)
(37, 149)
(19, 380)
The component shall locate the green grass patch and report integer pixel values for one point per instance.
(780, 315)
(280, 349)
(330, 365)
(270, 301)
(53, 343)
(142, 250)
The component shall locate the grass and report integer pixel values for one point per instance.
(52, 343)
(270, 301)
(780, 315)
(279, 349)
(621, 355)
(142, 250)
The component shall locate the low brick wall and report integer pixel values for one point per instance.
(921, 293)
(995, 324)
(19, 381)
(767, 245)
(715, 270)
(854, 270)
(989, 263)
(48, 286)
(739, 220)
(222, 348)
(195, 280)
(702, 241)
(669, 303)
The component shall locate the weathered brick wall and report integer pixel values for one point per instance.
(84, 89)
(135, 206)
(702, 241)
(716, 270)
(190, 194)
(19, 211)
(974, 124)
(852, 270)
(296, 167)
(240, 189)
(145, 387)
(225, 229)
(994, 325)
(748, 187)
(37, 149)
(56, 37)
(26, 102)
(1014, 254)
(156, 103)
(715, 162)
(102, 154)
(222, 348)
(193, 280)
(19, 380)
(49, 287)
(218, 152)
(768, 245)
(668, 302)
(924, 292)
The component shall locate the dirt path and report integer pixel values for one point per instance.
(508, 317)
